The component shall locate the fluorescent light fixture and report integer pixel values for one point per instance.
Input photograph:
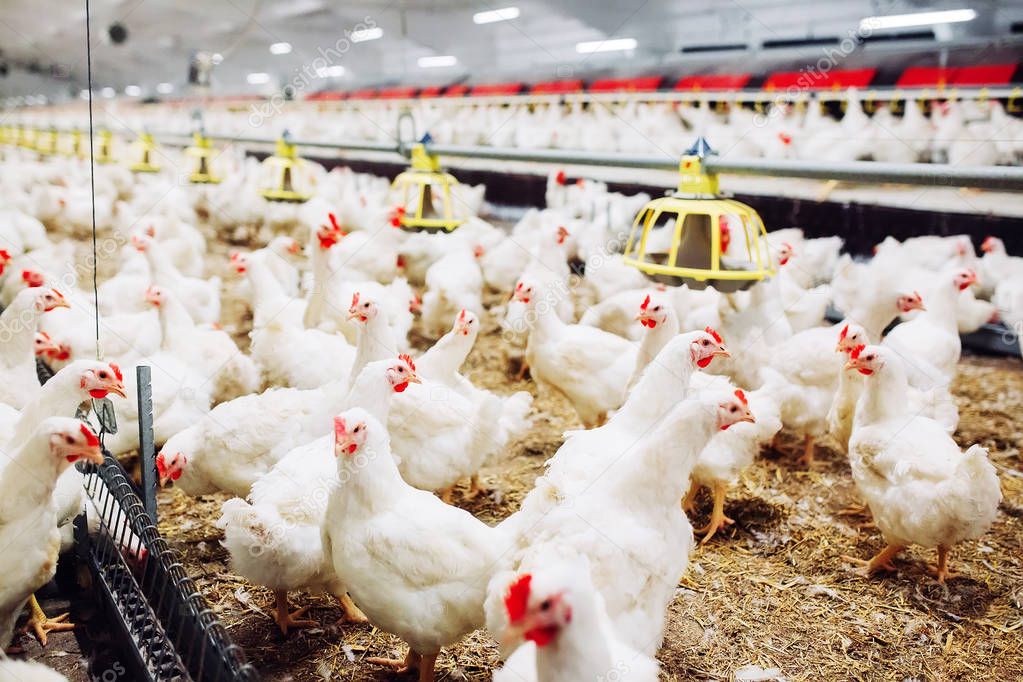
(492, 16)
(216, 58)
(610, 45)
(132, 90)
(952, 16)
(334, 71)
(257, 78)
(108, 92)
(280, 48)
(365, 34)
(165, 88)
(440, 60)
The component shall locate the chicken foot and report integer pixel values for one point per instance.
(40, 624)
(475, 488)
(941, 571)
(286, 620)
(882, 561)
(806, 459)
(350, 612)
(718, 520)
(412, 661)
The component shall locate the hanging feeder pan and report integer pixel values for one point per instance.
(106, 144)
(70, 144)
(426, 195)
(46, 142)
(202, 151)
(283, 166)
(146, 147)
(681, 238)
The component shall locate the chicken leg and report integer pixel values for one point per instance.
(40, 624)
(412, 661)
(718, 520)
(806, 459)
(689, 501)
(941, 571)
(882, 561)
(350, 612)
(286, 620)
(445, 495)
(475, 489)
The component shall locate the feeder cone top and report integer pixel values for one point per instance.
(701, 148)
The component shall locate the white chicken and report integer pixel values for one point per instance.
(201, 297)
(920, 487)
(416, 566)
(590, 366)
(274, 537)
(29, 515)
(18, 324)
(565, 632)
(453, 283)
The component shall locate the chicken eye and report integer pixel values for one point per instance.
(69, 440)
(734, 408)
(657, 308)
(357, 429)
(545, 605)
(401, 369)
(103, 375)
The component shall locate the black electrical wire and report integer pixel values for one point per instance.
(92, 169)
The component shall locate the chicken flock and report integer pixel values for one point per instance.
(345, 451)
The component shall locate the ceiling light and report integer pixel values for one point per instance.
(503, 14)
(613, 45)
(952, 16)
(365, 34)
(108, 92)
(280, 48)
(335, 71)
(441, 60)
(257, 78)
(217, 58)
(165, 88)
(132, 90)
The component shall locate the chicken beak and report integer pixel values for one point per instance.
(118, 389)
(352, 314)
(414, 379)
(94, 455)
(722, 352)
(852, 364)
(748, 417)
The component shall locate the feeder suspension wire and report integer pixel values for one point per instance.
(92, 169)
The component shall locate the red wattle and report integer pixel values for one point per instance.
(703, 362)
(98, 393)
(400, 388)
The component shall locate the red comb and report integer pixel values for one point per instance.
(517, 597)
(400, 262)
(5, 255)
(713, 333)
(339, 426)
(560, 177)
(646, 302)
(741, 396)
(408, 361)
(117, 371)
(856, 352)
(333, 221)
(461, 315)
(843, 333)
(90, 437)
(32, 278)
(355, 299)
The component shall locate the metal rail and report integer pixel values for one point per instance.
(1004, 178)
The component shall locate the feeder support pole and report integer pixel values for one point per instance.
(147, 447)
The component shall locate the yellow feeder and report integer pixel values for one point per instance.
(71, 144)
(421, 187)
(46, 142)
(106, 145)
(26, 137)
(283, 167)
(146, 147)
(692, 237)
(203, 152)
